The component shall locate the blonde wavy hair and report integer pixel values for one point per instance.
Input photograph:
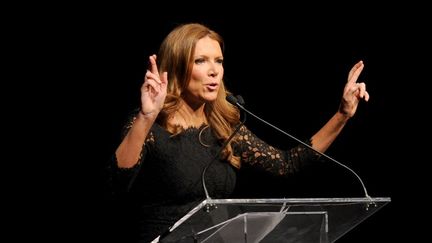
(176, 57)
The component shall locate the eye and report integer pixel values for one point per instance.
(199, 61)
(220, 61)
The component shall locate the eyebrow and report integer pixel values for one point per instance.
(205, 56)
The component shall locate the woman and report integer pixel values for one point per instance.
(182, 123)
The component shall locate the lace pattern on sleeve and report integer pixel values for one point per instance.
(149, 139)
(256, 152)
(121, 178)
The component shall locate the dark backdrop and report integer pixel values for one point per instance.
(289, 67)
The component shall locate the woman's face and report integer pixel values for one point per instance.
(207, 72)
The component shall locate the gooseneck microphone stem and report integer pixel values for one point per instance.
(218, 154)
(234, 101)
(216, 157)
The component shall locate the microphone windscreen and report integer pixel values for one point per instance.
(240, 100)
(231, 99)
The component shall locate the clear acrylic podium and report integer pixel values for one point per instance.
(272, 220)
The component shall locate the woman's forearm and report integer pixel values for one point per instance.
(322, 140)
(129, 150)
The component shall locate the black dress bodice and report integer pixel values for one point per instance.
(167, 181)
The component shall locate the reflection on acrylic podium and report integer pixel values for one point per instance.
(272, 220)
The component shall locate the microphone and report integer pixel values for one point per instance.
(239, 102)
(239, 99)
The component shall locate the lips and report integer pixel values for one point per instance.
(212, 86)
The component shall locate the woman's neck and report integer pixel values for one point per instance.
(186, 116)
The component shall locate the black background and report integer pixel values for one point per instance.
(82, 68)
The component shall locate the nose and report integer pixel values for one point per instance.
(213, 70)
(212, 74)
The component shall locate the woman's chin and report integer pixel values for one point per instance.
(210, 97)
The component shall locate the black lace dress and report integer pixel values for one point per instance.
(166, 183)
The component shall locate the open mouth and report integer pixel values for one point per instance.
(212, 86)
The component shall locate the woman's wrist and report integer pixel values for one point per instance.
(342, 117)
(146, 115)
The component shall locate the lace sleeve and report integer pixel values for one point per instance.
(256, 152)
(120, 179)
